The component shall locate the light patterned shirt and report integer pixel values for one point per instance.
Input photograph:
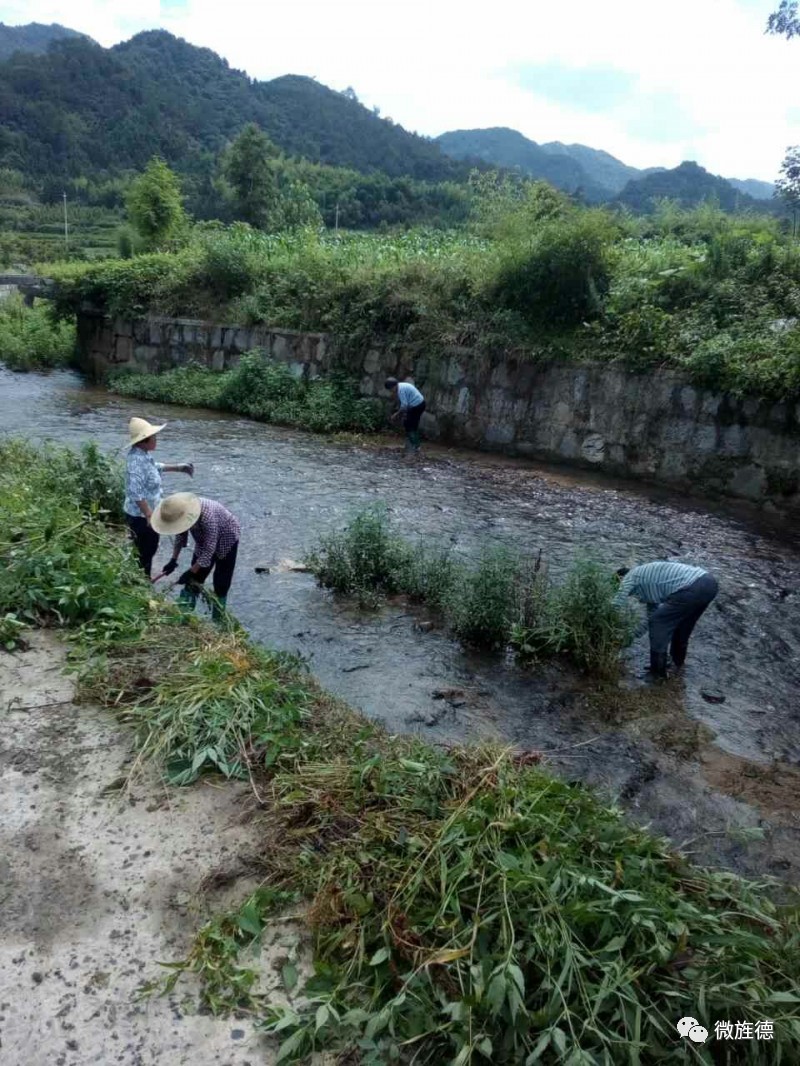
(652, 583)
(142, 481)
(408, 395)
(214, 533)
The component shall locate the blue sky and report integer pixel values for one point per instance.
(652, 83)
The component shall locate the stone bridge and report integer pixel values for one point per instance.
(29, 285)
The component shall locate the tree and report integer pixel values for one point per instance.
(155, 205)
(785, 22)
(250, 173)
(788, 184)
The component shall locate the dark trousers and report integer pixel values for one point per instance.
(145, 540)
(223, 576)
(411, 426)
(672, 622)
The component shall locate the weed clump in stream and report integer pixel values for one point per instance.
(465, 906)
(503, 600)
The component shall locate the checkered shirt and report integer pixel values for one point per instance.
(214, 533)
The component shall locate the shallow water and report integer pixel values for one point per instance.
(288, 488)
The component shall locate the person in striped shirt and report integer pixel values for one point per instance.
(215, 532)
(676, 596)
(411, 409)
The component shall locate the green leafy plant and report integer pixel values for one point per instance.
(30, 338)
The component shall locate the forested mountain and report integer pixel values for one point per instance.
(598, 175)
(759, 190)
(34, 38)
(688, 184)
(503, 147)
(82, 109)
(601, 167)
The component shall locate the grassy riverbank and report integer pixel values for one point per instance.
(266, 392)
(533, 276)
(465, 906)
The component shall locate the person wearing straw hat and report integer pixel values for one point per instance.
(215, 532)
(143, 487)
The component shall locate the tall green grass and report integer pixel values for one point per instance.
(31, 339)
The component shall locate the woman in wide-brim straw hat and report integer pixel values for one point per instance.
(215, 532)
(143, 487)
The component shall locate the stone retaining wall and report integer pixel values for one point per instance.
(655, 425)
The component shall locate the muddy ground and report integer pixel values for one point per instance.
(98, 883)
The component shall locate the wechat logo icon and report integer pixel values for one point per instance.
(693, 1029)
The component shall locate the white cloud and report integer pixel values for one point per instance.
(445, 64)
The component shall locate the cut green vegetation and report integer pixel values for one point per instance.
(503, 600)
(264, 391)
(465, 907)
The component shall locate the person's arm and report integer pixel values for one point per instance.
(627, 588)
(177, 468)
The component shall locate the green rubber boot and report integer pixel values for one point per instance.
(218, 608)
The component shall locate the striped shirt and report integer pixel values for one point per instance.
(142, 481)
(214, 533)
(653, 583)
(409, 395)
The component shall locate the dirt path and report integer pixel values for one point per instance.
(97, 886)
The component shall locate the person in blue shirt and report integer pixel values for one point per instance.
(143, 488)
(676, 596)
(411, 407)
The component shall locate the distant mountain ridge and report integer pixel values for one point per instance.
(71, 108)
(81, 109)
(576, 168)
(34, 38)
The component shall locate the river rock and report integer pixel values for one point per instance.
(712, 695)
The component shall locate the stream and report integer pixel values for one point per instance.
(720, 778)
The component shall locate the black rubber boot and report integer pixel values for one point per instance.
(658, 665)
(678, 653)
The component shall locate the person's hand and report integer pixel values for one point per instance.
(169, 568)
(188, 577)
(187, 468)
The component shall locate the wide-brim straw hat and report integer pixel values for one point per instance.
(176, 513)
(140, 429)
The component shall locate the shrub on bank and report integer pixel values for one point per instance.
(31, 339)
(464, 904)
(259, 389)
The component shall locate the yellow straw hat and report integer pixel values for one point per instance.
(176, 513)
(140, 429)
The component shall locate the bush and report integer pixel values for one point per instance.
(31, 339)
(366, 560)
(481, 606)
(579, 621)
(58, 563)
(560, 276)
(259, 389)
